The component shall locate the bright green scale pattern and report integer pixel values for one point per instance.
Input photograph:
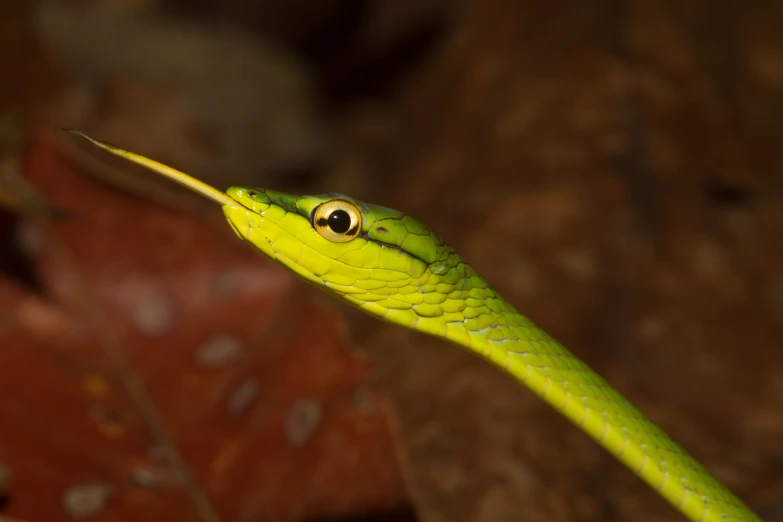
(403, 272)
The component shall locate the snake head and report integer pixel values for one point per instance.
(378, 259)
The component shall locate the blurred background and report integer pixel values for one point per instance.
(613, 167)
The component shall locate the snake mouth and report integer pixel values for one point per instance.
(247, 225)
(227, 210)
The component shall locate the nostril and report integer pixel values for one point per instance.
(252, 193)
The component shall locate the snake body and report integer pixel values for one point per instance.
(397, 269)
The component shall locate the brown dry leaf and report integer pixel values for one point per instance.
(248, 376)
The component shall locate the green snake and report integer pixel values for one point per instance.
(397, 269)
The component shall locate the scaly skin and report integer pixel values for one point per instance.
(401, 271)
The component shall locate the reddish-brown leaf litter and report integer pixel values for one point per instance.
(613, 168)
(251, 379)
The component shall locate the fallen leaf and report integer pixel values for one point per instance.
(107, 408)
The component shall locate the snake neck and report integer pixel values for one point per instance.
(469, 312)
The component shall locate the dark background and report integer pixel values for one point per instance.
(614, 167)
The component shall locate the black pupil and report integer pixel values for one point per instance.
(339, 221)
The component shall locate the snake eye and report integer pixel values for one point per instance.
(337, 220)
